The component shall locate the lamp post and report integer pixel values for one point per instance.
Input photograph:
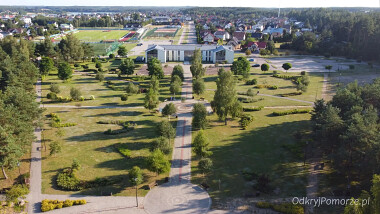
(18, 165)
(137, 201)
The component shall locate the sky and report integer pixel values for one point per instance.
(212, 3)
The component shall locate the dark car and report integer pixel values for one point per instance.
(140, 59)
(139, 44)
(256, 65)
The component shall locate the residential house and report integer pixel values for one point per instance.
(66, 27)
(258, 27)
(221, 34)
(255, 46)
(161, 19)
(209, 38)
(234, 43)
(257, 35)
(206, 27)
(287, 28)
(240, 36)
(16, 30)
(182, 53)
(55, 24)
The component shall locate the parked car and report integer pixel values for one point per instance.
(139, 44)
(140, 59)
(251, 59)
(256, 65)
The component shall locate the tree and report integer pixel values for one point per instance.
(168, 110)
(201, 145)
(98, 64)
(245, 120)
(270, 47)
(16, 192)
(328, 67)
(54, 87)
(199, 116)
(287, 66)
(199, 86)
(155, 68)
(225, 100)
(178, 70)
(75, 165)
(124, 97)
(64, 71)
(135, 176)
(196, 67)
(163, 144)
(70, 48)
(151, 99)
(302, 83)
(248, 52)
(99, 76)
(157, 162)
(122, 51)
(241, 67)
(46, 66)
(88, 51)
(205, 165)
(132, 88)
(175, 86)
(127, 67)
(55, 148)
(264, 67)
(75, 93)
(165, 129)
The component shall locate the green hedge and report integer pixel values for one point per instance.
(47, 205)
(273, 87)
(258, 108)
(291, 94)
(286, 77)
(294, 111)
(286, 208)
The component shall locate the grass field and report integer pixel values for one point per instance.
(99, 35)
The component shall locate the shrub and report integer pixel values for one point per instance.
(291, 94)
(275, 72)
(272, 87)
(245, 120)
(124, 97)
(111, 56)
(92, 97)
(85, 66)
(55, 88)
(76, 65)
(16, 192)
(247, 109)
(66, 180)
(68, 203)
(75, 93)
(132, 88)
(99, 76)
(250, 92)
(122, 148)
(81, 98)
(303, 73)
(162, 144)
(51, 96)
(251, 82)
(294, 111)
(47, 205)
(205, 165)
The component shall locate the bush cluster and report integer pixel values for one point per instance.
(285, 77)
(251, 82)
(287, 208)
(294, 111)
(51, 96)
(272, 87)
(47, 205)
(291, 94)
(122, 148)
(249, 99)
(117, 122)
(67, 180)
(247, 109)
(245, 120)
(57, 122)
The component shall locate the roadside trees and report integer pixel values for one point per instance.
(201, 145)
(157, 162)
(199, 116)
(199, 86)
(286, 66)
(168, 110)
(155, 68)
(196, 67)
(178, 70)
(264, 67)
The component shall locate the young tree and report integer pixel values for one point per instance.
(178, 70)
(71, 48)
(124, 97)
(264, 67)
(241, 67)
(287, 66)
(55, 148)
(245, 120)
(328, 67)
(135, 176)
(196, 67)
(127, 67)
(165, 129)
(46, 66)
(199, 86)
(175, 86)
(155, 68)
(199, 116)
(225, 100)
(55, 88)
(168, 110)
(100, 76)
(201, 145)
(151, 99)
(157, 162)
(88, 51)
(64, 71)
(205, 165)
(163, 144)
(75, 93)
(122, 51)
(75, 165)
(302, 83)
(98, 64)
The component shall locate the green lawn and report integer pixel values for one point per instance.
(99, 35)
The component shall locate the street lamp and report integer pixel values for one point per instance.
(137, 201)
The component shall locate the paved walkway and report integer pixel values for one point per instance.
(179, 195)
(89, 107)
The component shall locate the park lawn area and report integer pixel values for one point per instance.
(95, 151)
(129, 46)
(104, 96)
(260, 148)
(99, 35)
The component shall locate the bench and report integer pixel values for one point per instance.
(152, 184)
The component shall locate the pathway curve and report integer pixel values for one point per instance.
(179, 195)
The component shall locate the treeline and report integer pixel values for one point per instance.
(347, 129)
(20, 114)
(340, 33)
(232, 12)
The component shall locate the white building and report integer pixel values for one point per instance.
(182, 53)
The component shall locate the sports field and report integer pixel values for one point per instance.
(99, 35)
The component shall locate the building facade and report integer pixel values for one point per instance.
(184, 53)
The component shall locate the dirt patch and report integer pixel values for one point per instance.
(144, 72)
(214, 70)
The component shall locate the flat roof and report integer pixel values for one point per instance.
(189, 47)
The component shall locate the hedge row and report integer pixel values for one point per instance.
(259, 108)
(56, 121)
(273, 87)
(47, 205)
(117, 122)
(286, 77)
(251, 82)
(286, 208)
(294, 111)
(291, 94)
